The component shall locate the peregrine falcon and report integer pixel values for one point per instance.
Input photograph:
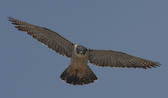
(78, 71)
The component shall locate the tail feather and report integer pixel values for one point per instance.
(78, 76)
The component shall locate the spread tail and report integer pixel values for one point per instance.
(78, 76)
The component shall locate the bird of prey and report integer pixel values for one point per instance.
(78, 72)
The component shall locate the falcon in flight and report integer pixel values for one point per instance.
(78, 72)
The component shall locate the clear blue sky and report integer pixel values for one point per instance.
(28, 69)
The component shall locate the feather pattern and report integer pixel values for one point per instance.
(118, 59)
(50, 38)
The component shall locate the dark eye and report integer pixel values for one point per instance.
(85, 49)
(77, 49)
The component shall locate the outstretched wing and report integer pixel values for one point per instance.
(118, 59)
(46, 36)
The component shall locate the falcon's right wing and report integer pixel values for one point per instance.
(50, 38)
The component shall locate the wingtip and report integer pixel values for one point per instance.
(158, 64)
(154, 65)
(10, 18)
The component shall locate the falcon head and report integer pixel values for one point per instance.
(80, 50)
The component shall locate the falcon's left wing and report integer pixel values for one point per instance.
(118, 59)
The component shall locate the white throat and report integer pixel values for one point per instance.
(75, 46)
